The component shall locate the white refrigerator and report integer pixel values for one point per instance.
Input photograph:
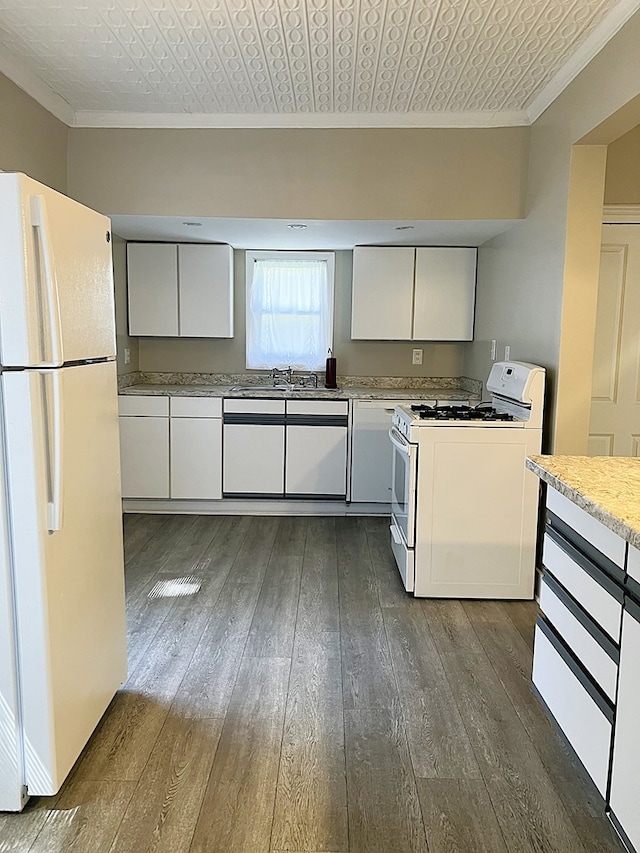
(62, 614)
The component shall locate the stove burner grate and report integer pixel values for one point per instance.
(482, 412)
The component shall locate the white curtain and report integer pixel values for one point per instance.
(289, 316)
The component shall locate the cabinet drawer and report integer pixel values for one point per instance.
(580, 710)
(587, 641)
(589, 528)
(254, 407)
(317, 407)
(137, 405)
(587, 583)
(196, 407)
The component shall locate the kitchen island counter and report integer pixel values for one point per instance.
(606, 487)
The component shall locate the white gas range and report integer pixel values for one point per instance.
(464, 506)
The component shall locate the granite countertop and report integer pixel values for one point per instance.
(312, 393)
(607, 487)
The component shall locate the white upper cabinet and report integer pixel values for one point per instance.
(404, 293)
(153, 289)
(382, 295)
(205, 277)
(181, 290)
(445, 291)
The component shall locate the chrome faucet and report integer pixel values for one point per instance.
(279, 376)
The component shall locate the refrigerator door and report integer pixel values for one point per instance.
(56, 288)
(62, 459)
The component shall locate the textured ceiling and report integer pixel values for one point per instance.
(378, 61)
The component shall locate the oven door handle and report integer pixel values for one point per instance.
(399, 441)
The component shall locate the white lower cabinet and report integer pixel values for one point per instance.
(254, 459)
(577, 650)
(316, 461)
(576, 705)
(144, 446)
(316, 448)
(292, 448)
(196, 448)
(253, 456)
(624, 800)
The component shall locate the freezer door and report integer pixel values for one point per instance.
(62, 460)
(56, 288)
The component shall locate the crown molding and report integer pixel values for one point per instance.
(301, 120)
(621, 214)
(592, 45)
(19, 73)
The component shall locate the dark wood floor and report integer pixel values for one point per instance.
(302, 701)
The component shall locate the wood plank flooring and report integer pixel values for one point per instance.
(301, 701)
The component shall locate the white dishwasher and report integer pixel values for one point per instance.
(371, 451)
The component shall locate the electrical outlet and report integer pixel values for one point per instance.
(507, 353)
(417, 357)
(127, 355)
(494, 350)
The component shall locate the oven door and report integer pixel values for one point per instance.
(403, 485)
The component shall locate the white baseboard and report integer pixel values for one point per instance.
(230, 506)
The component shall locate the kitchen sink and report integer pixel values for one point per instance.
(280, 387)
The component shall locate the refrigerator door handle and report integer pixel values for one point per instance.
(55, 456)
(49, 293)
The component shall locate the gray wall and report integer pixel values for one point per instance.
(302, 173)
(538, 283)
(31, 139)
(354, 358)
(123, 341)
(622, 184)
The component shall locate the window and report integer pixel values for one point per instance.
(289, 309)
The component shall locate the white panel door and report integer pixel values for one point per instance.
(144, 446)
(382, 295)
(445, 291)
(253, 459)
(625, 781)
(69, 581)
(56, 276)
(205, 274)
(196, 458)
(316, 460)
(615, 395)
(152, 285)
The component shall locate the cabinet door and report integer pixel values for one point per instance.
(625, 781)
(382, 295)
(445, 289)
(206, 291)
(253, 459)
(316, 461)
(144, 452)
(152, 280)
(196, 458)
